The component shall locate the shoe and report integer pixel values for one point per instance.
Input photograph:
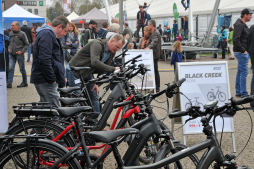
(23, 85)
(231, 59)
(237, 95)
(244, 96)
(28, 60)
(222, 58)
(186, 9)
(9, 85)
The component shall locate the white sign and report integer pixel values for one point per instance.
(147, 60)
(3, 103)
(205, 81)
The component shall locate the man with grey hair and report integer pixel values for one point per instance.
(17, 47)
(155, 45)
(28, 33)
(48, 72)
(126, 31)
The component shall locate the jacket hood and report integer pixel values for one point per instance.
(44, 27)
(238, 22)
(101, 31)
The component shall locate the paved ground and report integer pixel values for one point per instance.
(242, 120)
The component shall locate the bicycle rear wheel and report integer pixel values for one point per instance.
(42, 154)
(188, 162)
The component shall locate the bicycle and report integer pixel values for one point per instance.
(142, 130)
(196, 103)
(213, 156)
(221, 95)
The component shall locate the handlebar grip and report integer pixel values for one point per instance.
(175, 114)
(180, 82)
(244, 100)
(103, 81)
(116, 105)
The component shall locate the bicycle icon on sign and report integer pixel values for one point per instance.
(221, 95)
(194, 103)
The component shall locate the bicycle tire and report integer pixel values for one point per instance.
(222, 96)
(53, 150)
(67, 139)
(210, 96)
(189, 162)
(149, 159)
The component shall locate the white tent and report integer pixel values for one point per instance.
(72, 16)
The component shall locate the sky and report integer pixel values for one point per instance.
(48, 2)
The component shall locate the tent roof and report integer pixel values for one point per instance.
(72, 16)
(17, 13)
(94, 14)
(164, 8)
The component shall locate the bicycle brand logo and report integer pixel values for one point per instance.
(200, 75)
(217, 68)
(195, 125)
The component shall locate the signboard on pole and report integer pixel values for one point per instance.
(175, 12)
(147, 60)
(67, 6)
(205, 81)
(3, 92)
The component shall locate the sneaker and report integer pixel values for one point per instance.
(23, 85)
(244, 96)
(9, 85)
(237, 95)
(231, 59)
(28, 60)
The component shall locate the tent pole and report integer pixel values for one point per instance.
(121, 15)
(191, 21)
(108, 11)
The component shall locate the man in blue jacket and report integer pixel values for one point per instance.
(48, 61)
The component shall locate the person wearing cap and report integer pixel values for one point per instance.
(240, 37)
(141, 19)
(90, 32)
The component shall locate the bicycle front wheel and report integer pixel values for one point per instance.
(221, 96)
(186, 163)
(210, 96)
(42, 154)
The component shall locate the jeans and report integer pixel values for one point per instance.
(184, 34)
(71, 80)
(223, 49)
(48, 93)
(174, 37)
(92, 94)
(252, 80)
(21, 62)
(156, 73)
(242, 72)
(141, 25)
(188, 3)
(29, 52)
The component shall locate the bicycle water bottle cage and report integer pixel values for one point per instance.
(211, 104)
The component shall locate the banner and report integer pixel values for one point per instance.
(147, 60)
(3, 91)
(67, 6)
(205, 81)
(175, 12)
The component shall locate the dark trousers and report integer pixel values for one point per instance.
(219, 45)
(156, 73)
(141, 25)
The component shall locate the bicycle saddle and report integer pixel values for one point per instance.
(79, 68)
(71, 111)
(211, 104)
(108, 136)
(68, 90)
(69, 101)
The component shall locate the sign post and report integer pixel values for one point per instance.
(3, 92)
(147, 60)
(205, 81)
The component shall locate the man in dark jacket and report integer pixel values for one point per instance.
(159, 29)
(17, 47)
(90, 32)
(155, 45)
(97, 55)
(250, 50)
(103, 31)
(240, 37)
(28, 32)
(48, 71)
(141, 19)
(126, 31)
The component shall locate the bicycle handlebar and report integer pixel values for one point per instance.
(244, 100)
(116, 105)
(175, 114)
(132, 60)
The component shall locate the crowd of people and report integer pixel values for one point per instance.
(55, 49)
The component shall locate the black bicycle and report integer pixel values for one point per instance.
(213, 156)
